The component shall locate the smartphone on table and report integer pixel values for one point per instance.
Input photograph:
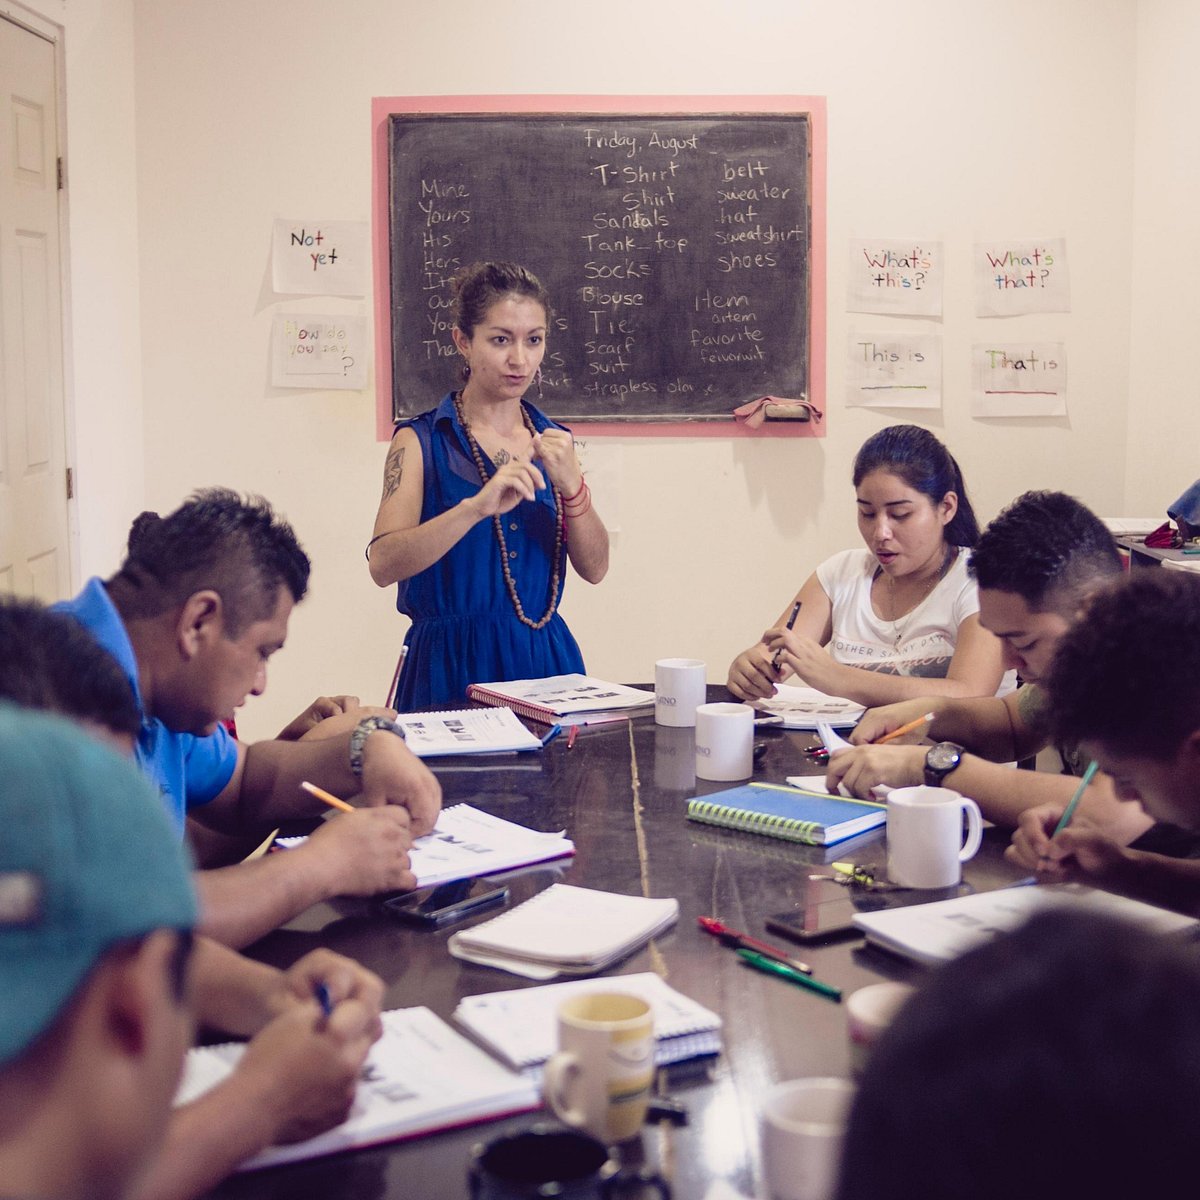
(825, 911)
(433, 908)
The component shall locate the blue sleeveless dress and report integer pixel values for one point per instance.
(464, 628)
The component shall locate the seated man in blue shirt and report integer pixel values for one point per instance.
(200, 604)
(297, 1075)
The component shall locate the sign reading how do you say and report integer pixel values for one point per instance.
(319, 352)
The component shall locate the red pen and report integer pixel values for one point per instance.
(743, 941)
(572, 734)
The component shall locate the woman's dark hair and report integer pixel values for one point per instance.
(476, 288)
(1067, 1052)
(917, 457)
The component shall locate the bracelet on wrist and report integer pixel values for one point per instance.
(362, 731)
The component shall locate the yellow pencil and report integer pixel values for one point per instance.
(887, 737)
(328, 797)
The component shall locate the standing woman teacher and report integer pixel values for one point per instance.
(484, 501)
(898, 619)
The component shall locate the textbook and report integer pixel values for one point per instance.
(420, 1076)
(521, 1025)
(934, 933)
(805, 707)
(467, 842)
(794, 814)
(565, 930)
(466, 731)
(565, 699)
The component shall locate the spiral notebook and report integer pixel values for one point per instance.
(815, 818)
(565, 930)
(420, 1076)
(521, 1025)
(466, 731)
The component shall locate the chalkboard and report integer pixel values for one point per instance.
(676, 251)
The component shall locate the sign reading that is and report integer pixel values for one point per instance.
(1019, 379)
(325, 258)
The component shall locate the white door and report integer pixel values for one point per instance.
(34, 536)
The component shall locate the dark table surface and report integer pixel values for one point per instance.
(621, 793)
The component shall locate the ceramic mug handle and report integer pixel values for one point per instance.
(974, 830)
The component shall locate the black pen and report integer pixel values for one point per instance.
(791, 621)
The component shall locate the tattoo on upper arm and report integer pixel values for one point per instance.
(392, 470)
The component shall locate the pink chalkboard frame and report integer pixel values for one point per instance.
(384, 107)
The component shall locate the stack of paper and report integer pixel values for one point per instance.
(420, 1076)
(521, 1026)
(565, 930)
(565, 699)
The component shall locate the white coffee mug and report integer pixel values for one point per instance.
(600, 1078)
(679, 689)
(925, 836)
(803, 1126)
(724, 741)
(869, 1011)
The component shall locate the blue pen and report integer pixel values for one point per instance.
(321, 992)
(555, 730)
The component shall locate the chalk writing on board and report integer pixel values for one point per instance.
(675, 250)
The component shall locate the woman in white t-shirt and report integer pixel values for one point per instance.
(899, 619)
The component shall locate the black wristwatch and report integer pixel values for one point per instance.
(940, 760)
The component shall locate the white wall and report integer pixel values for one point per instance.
(945, 118)
(1163, 417)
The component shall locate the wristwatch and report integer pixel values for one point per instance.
(940, 760)
(362, 731)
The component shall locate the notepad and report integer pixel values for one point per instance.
(521, 1025)
(467, 842)
(565, 699)
(420, 1076)
(815, 818)
(565, 930)
(936, 932)
(466, 731)
(804, 707)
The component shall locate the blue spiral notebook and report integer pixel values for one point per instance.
(816, 818)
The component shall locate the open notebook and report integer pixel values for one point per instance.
(420, 1076)
(936, 932)
(521, 1025)
(565, 930)
(565, 699)
(467, 842)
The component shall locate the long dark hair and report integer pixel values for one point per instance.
(916, 456)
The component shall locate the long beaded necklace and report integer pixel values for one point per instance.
(498, 525)
(898, 632)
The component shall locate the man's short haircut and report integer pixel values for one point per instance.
(1048, 549)
(1128, 674)
(49, 661)
(1078, 1036)
(216, 540)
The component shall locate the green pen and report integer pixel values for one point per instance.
(774, 967)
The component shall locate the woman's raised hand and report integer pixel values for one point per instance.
(513, 482)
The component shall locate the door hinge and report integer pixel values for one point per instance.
(61, 174)
(70, 483)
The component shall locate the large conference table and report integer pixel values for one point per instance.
(621, 794)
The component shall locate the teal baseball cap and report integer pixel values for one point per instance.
(88, 858)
